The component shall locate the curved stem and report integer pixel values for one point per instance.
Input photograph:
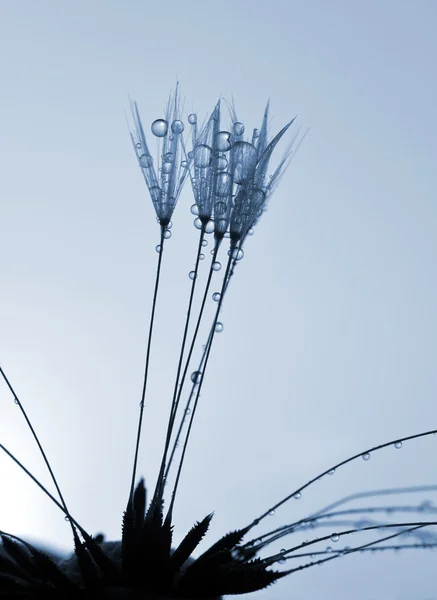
(337, 466)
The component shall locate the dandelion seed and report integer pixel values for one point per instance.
(165, 185)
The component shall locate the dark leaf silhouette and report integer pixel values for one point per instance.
(189, 543)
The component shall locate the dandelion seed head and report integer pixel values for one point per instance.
(166, 175)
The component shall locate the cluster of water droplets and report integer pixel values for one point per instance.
(164, 176)
(223, 164)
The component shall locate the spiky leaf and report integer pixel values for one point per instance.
(20, 555)
(189, 543)
(139, 504)
(227, 542)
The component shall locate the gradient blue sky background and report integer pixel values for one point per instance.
(330, 326)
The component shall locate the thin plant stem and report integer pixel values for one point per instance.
(365, 548)
(187, 406)
(174, 404)
(41, 449)
(208, 351)
(191, 349)
(146, 367)
(408, 527)
(337, 466)
(42, 487)
(350, 551)
(199, 369)
(175, 398)
(373, 493)
(312, 523)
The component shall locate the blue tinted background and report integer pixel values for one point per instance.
(330, 329)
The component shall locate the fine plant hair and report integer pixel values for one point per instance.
(232, 175)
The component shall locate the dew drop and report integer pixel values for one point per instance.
(328, 549)
(335, 537)
(297, 496)
(204, 243)
(187, 411)
(202, 156)
(159, 127)
(155, 193)
(167, 168)
(222, 163)
(145, 161)
(194, 209)
(397, 445)
(281, 561)
(223, 186)
(158, 248)
(365, 456)
(196, 376)
(191, 275)
(167, 234)
(190, 154)
(201, 256)
(271, 512)
(177, 126)
(331, 472)
(216, 296)
(256, 133)
(16, 401)
(223, 141)
(183, 164)
(138, 145)
(219, 327)
(216, 266)
(426, 505)
(237, 253)
(244, 157)
(250, 231)
(168, 157)
(238, 128)
(209, 227)
(169, 224)
(192, 119)
(197, 223)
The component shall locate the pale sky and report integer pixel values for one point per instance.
(330, 330)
